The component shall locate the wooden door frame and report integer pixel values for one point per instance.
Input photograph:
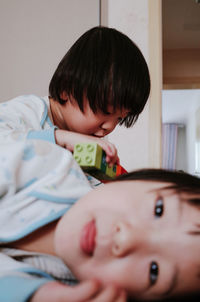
(155, 66)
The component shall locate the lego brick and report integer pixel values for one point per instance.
(120, 170)
(92, 159)
(88, 155)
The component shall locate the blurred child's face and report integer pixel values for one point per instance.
(136, 235)
(87, 122)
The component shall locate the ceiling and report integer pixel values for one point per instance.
(181, 24)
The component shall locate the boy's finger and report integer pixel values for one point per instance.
(108, 147)
(109, 294)
(112, 161)
(109, 151)
(84, 291)
(118, 161)
(112, 149)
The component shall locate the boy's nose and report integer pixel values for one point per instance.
(109, 126)
(127, 239)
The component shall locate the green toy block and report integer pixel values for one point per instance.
(88, 155)
(92, 159)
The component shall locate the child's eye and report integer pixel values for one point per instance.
(153, 272)
(159, 207)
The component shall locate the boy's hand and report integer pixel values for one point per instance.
(87, 291)
(68, 139)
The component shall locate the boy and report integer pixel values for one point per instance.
(102, 81)
(137, 235)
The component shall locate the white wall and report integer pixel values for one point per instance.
(34, 36)
(191, 131)
(131, 17)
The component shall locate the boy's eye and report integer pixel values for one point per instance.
(159, 207)
(153, 272)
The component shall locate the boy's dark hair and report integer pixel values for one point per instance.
(106, 67)
(180, 182)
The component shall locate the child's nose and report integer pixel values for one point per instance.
(110, 125)
(127, 239)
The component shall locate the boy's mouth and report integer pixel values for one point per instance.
(87, 240)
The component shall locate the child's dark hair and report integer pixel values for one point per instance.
(106, 67)
(180, 181)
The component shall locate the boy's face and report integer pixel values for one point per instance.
(87, 122)
(134, 234)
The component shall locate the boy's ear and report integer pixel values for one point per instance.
(64, 96)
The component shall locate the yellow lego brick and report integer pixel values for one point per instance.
(88, 155)
(92, 159)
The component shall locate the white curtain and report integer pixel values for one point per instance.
(169, 145)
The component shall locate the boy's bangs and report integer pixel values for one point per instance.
(177, 180)
(102, 104)
(116, 95)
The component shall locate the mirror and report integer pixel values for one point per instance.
(181, 85)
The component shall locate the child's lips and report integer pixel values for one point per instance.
(87, 240)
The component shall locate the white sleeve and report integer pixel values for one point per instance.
(24, 118)
(18, 282)
(39, 181)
